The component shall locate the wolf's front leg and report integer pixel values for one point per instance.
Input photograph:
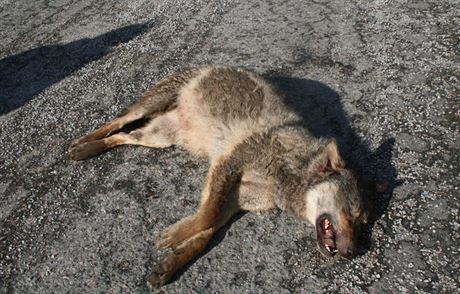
(219, 203)
(179, 258)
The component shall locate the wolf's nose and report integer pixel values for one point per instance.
(349, 254)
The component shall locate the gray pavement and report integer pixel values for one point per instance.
(384, 76)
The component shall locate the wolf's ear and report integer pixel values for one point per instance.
(331, 159)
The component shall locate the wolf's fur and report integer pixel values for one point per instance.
(261, 157)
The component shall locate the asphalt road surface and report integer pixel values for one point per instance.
(384, 76)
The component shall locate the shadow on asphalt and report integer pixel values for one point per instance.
(323, 114)
(24, 75)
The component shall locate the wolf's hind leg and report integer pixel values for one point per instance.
(159, 133)
(133, 114)
(161, 98)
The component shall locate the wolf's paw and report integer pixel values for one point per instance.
(169, 238)
(163, 272)
(179, 232)
(86, 150)
(79, 141)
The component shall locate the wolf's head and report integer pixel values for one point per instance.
(333, 203)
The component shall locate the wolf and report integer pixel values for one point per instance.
(260, 153)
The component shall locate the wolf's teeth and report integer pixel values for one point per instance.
(330, 248)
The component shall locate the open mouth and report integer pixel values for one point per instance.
(326, 235)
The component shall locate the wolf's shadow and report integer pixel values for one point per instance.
(323, 114)
(25, 75)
